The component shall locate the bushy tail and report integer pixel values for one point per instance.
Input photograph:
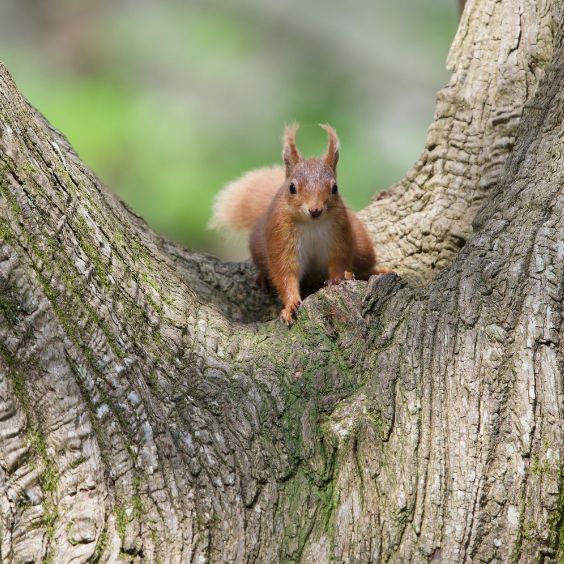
(242, 202)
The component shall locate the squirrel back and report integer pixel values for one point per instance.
(241, 203)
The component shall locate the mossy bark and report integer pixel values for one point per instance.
(152, 407)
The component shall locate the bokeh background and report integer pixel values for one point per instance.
(168, 100)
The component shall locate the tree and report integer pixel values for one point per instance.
(149, 410)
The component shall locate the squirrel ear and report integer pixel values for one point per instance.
(331, 157)
(290, 153)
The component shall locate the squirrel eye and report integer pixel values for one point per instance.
(334, 189)
(292, 188)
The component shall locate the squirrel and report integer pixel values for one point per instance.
(303, 235)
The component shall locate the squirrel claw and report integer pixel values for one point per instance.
(334, 281)
(289, 313)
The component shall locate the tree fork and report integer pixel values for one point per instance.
(150, 410)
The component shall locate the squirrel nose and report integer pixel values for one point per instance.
(315, 213)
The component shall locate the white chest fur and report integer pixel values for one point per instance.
(314, 241)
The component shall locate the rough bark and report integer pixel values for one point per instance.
(497, 59)
(150, 411)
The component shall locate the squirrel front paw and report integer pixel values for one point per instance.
(338, 279)
(381, 270)
(290, 310)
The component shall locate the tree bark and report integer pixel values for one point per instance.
(153, 409)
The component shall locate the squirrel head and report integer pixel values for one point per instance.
(311, 184)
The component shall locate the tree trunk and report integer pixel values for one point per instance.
(149, 409)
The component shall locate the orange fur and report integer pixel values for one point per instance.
(242, 202)
(302, 233)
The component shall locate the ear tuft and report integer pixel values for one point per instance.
(331, 157)
(290, 152)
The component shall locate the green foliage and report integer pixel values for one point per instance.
(167, 102)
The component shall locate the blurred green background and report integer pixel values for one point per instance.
(167, 101)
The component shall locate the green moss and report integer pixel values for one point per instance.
(156, 307)
(68, 322)
(156, 543)
(68, 181)
(328, 375)
(50, 516)
(122, 520)
(9, 308)
(49, 478)
(22, 501)
(152, 381)
(305, 507)
(71, 277)
(49, 482)
(529, 530)
(139, 252)
(18, 381)
(100, 546)
(49, 557)
(37, 443)
(83, 234)
(136, 501)
(556, 521)
(80, 460)
(4, 233)
(29, 168)
(132, 454)
(381, 426)
(149, 281)
(13, 203)
(538, 466)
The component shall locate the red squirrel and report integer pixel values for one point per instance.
(302, 234)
